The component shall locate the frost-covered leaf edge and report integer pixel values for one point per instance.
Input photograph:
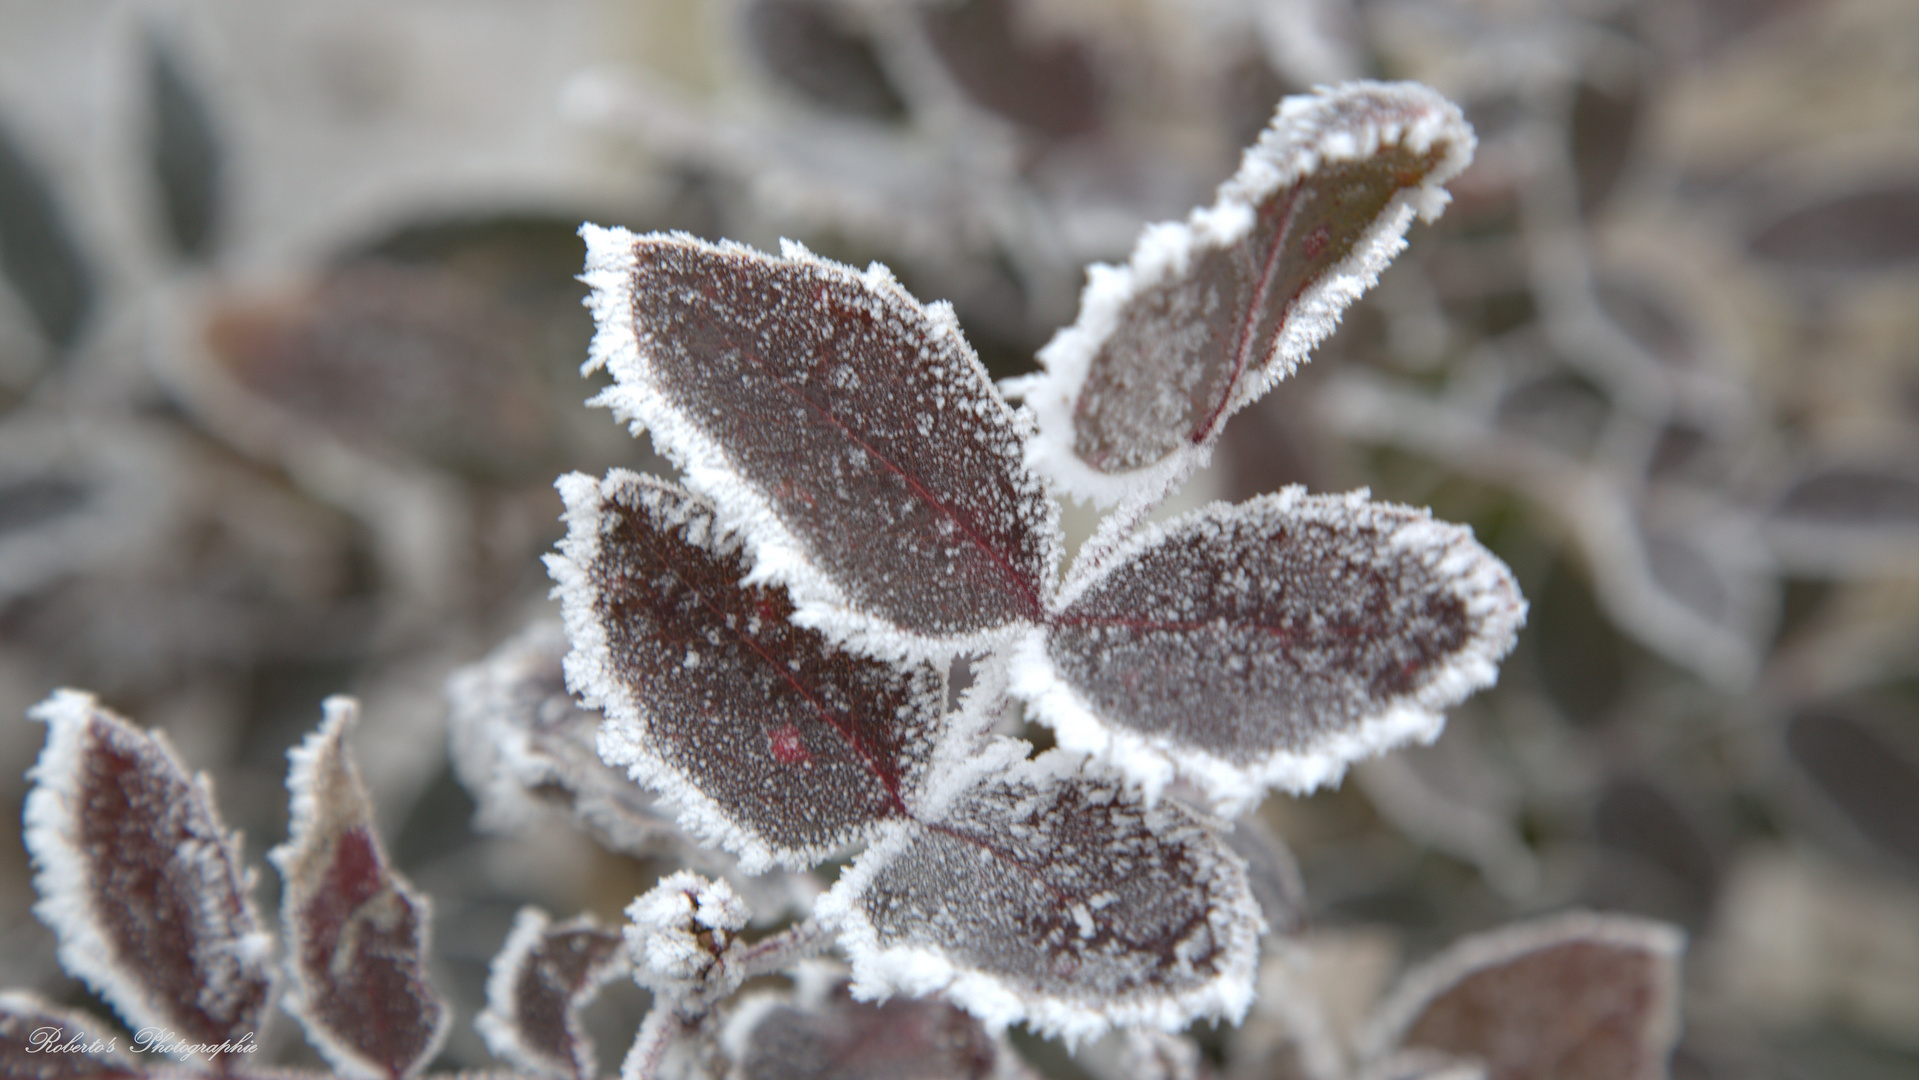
(1480, 579)
(1289, 149)
(588, 675)
(1419, 987)
(60, 877)
(776, 554)
(498, 1025)
(880, 972)
(501, 765)
(304, 816)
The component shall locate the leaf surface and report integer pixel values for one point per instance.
(1209, 313)
(544, 975)
(773, 743)
(1578, 997)
(1055, 897)
(847, 429)
(1272, 643)
(357, 932)
(141, 882)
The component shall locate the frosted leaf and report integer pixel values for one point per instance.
(1209, 313)
(681, 937)
(520, 744)
(536, 987)
(1272, 643)
(840, 1038)
(356, 932)
(39, 1041)
(773, 743)
(1577, 997)
(1056, 897)
(141, 882)
(849, 430)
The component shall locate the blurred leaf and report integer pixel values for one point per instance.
(1875, 782)
(1872, 229)
(38, 252)
(808, 45)
(186, 154)
(1049, 86)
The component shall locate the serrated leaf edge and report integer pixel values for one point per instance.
(1476, 576)
(880, 972)
(1292, 147)
(61, 878)
(1420, 986)
(776, 554)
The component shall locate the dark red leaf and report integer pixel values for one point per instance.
(773, 743)
(356, 931)
(1208, 314)
(143, 885)
(543, 977)
(1580, 997)
(844, 1039)
(1046, 84)
(397, 359)
(39, 1041)
(1056, 897)
(1273, 642)
(848, 429)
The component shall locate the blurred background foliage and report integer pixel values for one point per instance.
(289, 345)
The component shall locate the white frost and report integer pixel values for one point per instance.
(1467, 570)
(1308, 131)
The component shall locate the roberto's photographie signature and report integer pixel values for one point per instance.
(48, 1040)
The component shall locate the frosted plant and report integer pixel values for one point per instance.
(773, 649)
(864, 513)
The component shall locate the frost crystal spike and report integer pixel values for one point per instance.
(356, 931)
(1056, 897)
(141, 882)
(1209, 313)
(772, 742)
(848, 430)
(1271, 643)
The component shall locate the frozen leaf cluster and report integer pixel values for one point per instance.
(864, 513)
(151, 901)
